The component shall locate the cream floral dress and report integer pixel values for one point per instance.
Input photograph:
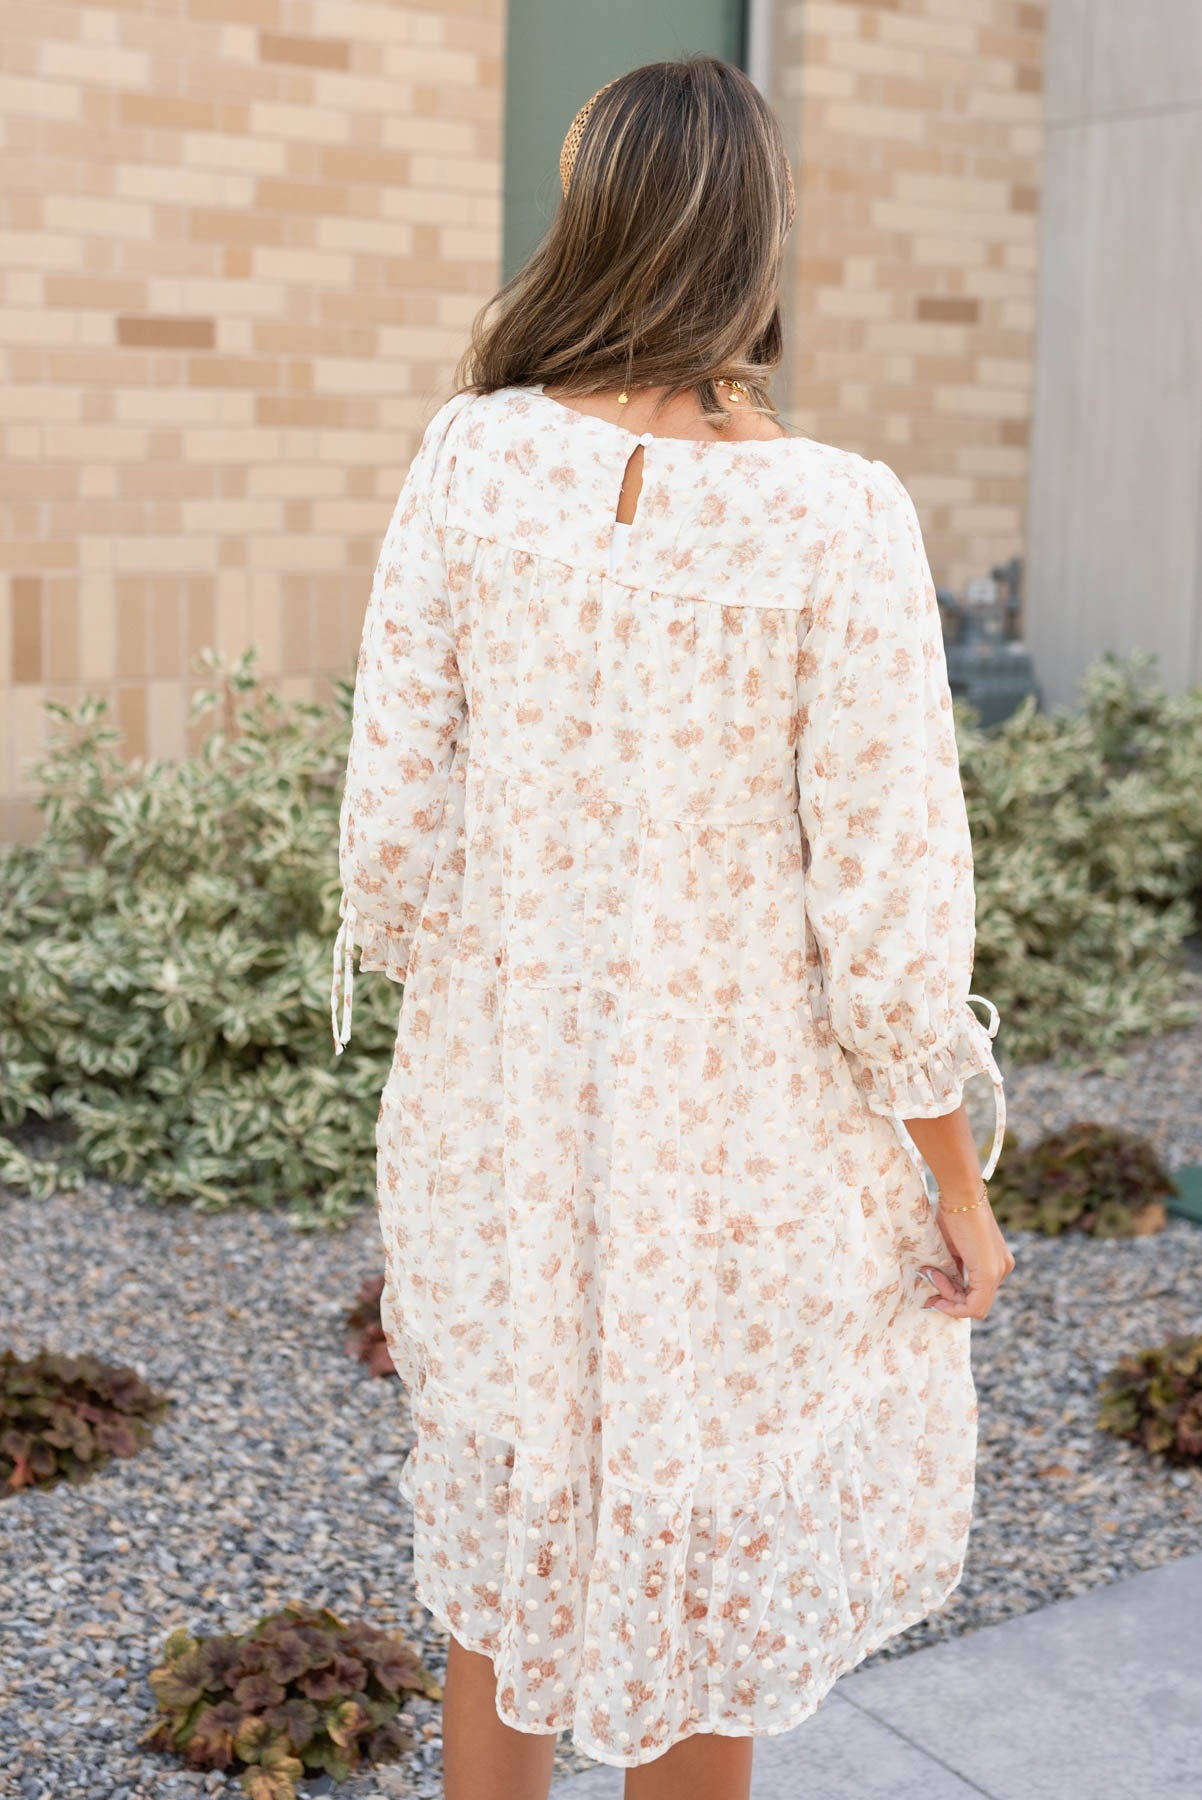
(674, 866)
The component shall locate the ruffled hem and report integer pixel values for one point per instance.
(602, 1754)
(730, 1604)
(930, 1084)
(382, 948)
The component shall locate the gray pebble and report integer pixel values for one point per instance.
(273, 1477)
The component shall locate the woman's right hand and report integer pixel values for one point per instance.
(982, 1257)
(974, 1240)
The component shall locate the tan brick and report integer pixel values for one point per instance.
(231, 612)
(30, 726)
(423, 134)
(6, 649)
(40, 250)
(374, 21)
(94, 217)
(255, 299)
(948, 309)
(83, 291)
(298, 480)
(306, 197)
(232, 372)
(303, 410)
(227, 226)
(1015, 431)
(348, 517)
(238, 43)
(25, 655)
(168, 554)
(22, 97)
(167, 112)
(319, 553)
(324, 268)
(444, 68)
(312, 124)
(35, 404)
(253, 517)
(96, 65)
(36, 327)
(129, 710)
(199, 616)
(164, 626)
(257, 154)
(237, 12)
(373, 167)
(166, 721)
(471, 246)
(167, 333)
(980, 402)
(263, 620)
(309, 52)
(185, 187)
(370, 237)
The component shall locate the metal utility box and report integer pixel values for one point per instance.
(988, 665)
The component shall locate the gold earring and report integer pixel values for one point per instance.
(737, 388)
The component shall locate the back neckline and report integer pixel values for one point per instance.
(613, 427)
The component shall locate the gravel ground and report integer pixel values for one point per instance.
(273, 1477)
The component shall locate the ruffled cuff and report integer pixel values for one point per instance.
(382, 948)
(930, 1084)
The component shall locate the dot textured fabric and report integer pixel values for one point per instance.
(673, 864)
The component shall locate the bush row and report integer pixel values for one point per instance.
(165, 944)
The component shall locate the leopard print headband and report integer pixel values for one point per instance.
(571, 144)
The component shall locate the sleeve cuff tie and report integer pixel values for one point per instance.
(380, 948)
(931, 1083)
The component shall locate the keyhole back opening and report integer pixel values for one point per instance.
(632, 487)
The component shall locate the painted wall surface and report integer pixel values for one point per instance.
(1115, 538)
(556, 56)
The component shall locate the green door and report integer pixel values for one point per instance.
(558, 53)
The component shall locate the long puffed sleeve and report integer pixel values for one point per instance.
(890, 896)
(408, 708)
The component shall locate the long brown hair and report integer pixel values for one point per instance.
(662, 266)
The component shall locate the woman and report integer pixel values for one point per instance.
(653, 806)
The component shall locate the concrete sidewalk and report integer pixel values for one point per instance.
(1095, 1698)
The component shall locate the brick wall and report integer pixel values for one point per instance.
(919, 142)
(242, 241)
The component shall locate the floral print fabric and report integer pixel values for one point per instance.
(674, 866)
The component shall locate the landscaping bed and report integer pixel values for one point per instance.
(272, 1476)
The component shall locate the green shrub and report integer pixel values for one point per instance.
(367, 1342)
(165, 965)
(1088, 1178)
(1154, 1398)
(165, 945)
(303, 1692)
(61, 1417)
(1087, 843)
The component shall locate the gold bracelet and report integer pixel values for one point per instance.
(972, 1206)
